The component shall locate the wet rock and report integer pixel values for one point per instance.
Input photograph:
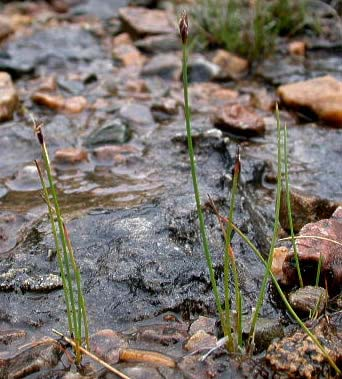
(309, 300)
(194, 369)
(280, 70)
(115, 132)
(54, 48)
(165, 105)
(310, 250)
(71, 105)
(106, 11)
(74, 87)
(26, 179)
(110, 154)
(166, 334)
(106, 344)
(20, 279)
(128, 55)
(297, 48)
(211, 93)
(163, 43)
(203, 323)
(297, 356)
(3, 191)
(202, 70)
(39, 355)
(5, 27)
(305, 209)
(137, 114)
(8, 97)
(232, 66)
(144, 21)
(266, 331)
(238, 119)
(200, 340)
(167, 66)
(8, 336)
(263, 100)
(71, 155)
(321, 96)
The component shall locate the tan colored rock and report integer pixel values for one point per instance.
(8, 97)
(74, 104)
(122, 39)
(71, 155)
(145, 21)
(279, 255)
(231, 65)
(212, 92)
(128, 55)
(322, 96)
(200, 340)
(5, 27)
(205, 324)
(114, 153)
(50, 101)
(239, 119)
(297, 48)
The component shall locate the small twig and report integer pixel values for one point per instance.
(92, 356)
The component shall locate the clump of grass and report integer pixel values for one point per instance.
(70, 274)
(250, 28)
(229, 256)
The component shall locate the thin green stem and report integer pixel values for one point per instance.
(63, 239)
(319, 267)
(229, 260)
(196, 190)
(58, 249)
(289, 210)
(273, 243)
(82, 313)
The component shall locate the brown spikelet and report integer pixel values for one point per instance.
(184, 27)
(237, 165)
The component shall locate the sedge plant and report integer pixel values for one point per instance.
(225, 317)
(70, 274)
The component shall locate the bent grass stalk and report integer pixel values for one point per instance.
(183, 27)
(273, 243)
(280, 291)
(289, 210)
(63, 261)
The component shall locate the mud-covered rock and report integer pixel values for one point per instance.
(115, 132)
(309, 300)
(297, 355)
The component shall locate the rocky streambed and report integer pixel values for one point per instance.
(106, 83)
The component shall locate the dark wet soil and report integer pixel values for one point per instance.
(131, 213)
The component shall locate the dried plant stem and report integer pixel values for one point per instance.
(289, 210)
(93, 357)
(196, 190)
(273, 243)
(312, 237)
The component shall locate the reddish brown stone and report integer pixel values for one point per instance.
(231, 65)
(297, 48)
(238, 119)
(71, 155)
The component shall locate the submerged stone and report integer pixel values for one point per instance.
(115, 132)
